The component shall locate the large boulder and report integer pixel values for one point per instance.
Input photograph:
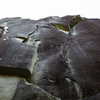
(55, 58)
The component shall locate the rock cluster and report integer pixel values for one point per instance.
(55, 58)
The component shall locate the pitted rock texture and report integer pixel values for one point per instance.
(55, 58)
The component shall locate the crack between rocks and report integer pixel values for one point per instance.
(37, 41)
(26, 39)
(30, 34)
(69, 78)
(49, 95)
(36, 44)
(77, 86)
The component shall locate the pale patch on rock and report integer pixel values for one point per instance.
(66, 32)
(69, 80)
(8, 86)
(73, 31)
(78, 90)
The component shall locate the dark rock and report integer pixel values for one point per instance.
(27, 91)
(58, 56)
(33, 92)
(50, 71)
(83, 54)
(16, 57)
(95, 97)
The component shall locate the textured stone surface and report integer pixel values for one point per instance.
(95, 97)
(55, 58)
(83, 56)
(16, 58)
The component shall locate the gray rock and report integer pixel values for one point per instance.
(27, 91)
(95, 97)
(17, 58)
(83, 56)
(55, 58)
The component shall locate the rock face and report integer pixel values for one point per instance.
(55, 58)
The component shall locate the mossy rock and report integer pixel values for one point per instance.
(76, 19)
(61, 27)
